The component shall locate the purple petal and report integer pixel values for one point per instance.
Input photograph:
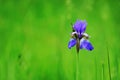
(71, 43)
(80, 26)
(86, 44)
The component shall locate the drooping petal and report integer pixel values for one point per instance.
(71, 43)
(86, 44)
(80, 26)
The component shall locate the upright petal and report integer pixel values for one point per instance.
(80, 26)
(71, 43)
(86, 44)
(83, 27)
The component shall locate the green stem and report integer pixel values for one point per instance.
(108, 62)
(77, 66)
(103, 71)
(117, 67)
(96, 68)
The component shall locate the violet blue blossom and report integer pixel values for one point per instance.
(79, 37)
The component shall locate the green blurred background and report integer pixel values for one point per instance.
(34, 35)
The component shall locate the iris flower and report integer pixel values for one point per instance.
(79, 37)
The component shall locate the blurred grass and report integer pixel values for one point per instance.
(34, 35)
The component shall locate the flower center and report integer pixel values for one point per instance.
(79, 36)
